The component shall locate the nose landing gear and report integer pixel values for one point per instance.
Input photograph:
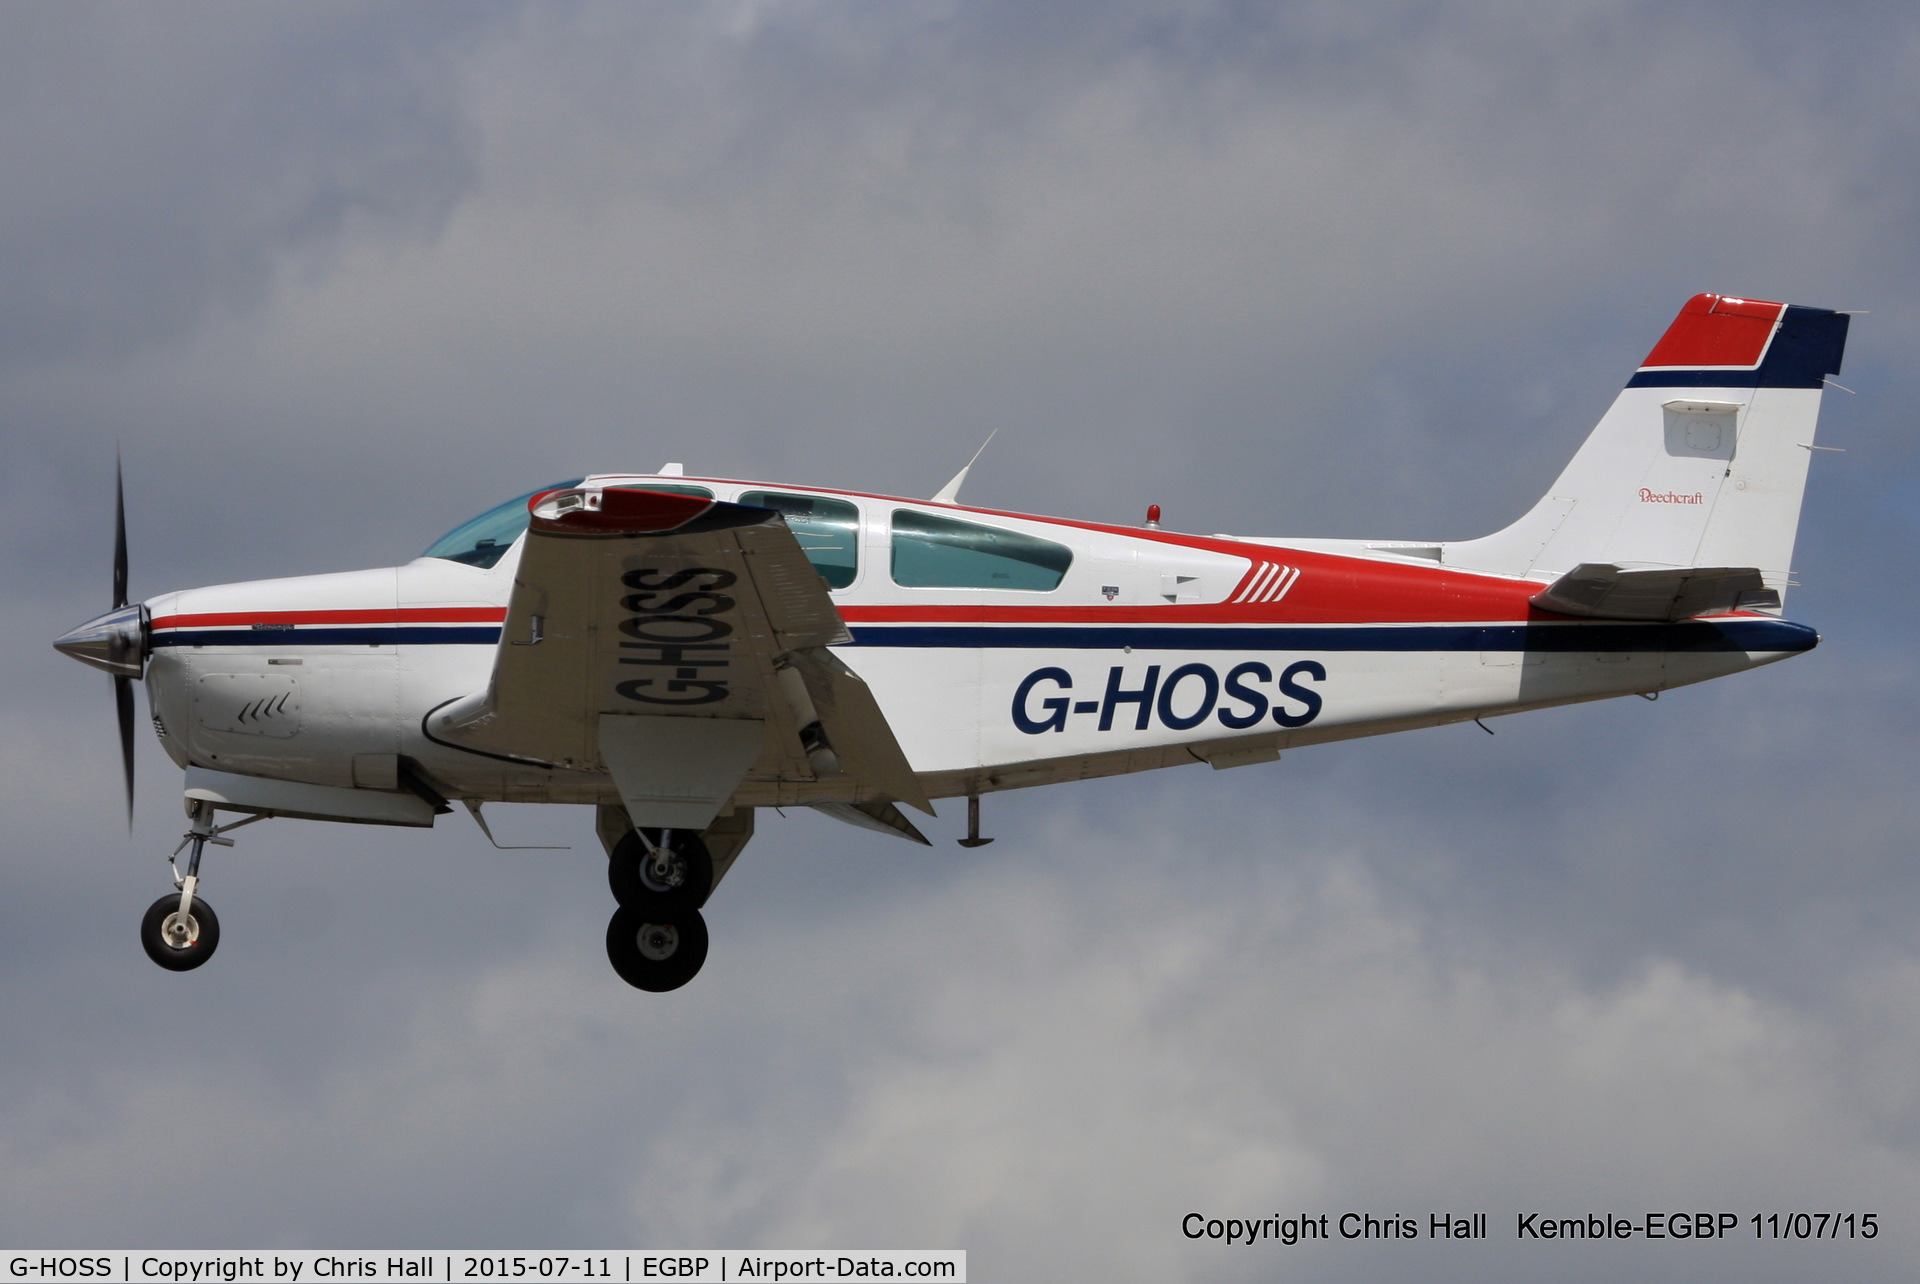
(180, 932)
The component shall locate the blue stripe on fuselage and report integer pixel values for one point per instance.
(1690, 635)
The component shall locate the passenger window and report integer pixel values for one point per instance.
(939, 552)
(828, 530)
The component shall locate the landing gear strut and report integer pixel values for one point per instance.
(180, 932)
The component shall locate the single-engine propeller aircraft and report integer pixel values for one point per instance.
(677, 651)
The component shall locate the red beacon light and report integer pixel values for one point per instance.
(1153, 517)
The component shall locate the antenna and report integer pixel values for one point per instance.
(950, 493)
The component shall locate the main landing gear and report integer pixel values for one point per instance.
(668, 871)
(656, 956)
(181, 931)
(657, 939)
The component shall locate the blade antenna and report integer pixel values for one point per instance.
(950, 493)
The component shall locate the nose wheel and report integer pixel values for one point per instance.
(180, 942)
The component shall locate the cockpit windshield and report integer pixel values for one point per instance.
(486, 539)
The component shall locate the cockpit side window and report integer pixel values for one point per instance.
(486, 539)
(828, 531)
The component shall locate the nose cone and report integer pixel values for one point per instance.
(115, 642)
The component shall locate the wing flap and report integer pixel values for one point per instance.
(880, 817)
(792, 594)
(857, 729)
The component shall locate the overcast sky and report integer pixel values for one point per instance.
(337, 277)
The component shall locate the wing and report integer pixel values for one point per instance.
(679, 645)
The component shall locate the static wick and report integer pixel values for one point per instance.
(1483, 726)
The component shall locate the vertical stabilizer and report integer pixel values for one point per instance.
(1701, 460)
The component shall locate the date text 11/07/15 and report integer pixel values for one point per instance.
(1697, 1226)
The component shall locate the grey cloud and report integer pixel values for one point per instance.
(1315, 269)
(1050, 1062)
(164, 167)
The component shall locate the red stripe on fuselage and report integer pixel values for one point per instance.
(404, 615)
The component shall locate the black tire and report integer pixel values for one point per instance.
(162, 951)
(656, 956)
(631, 878)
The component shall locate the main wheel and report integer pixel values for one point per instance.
(177, 944)
(656, 956)
(682, 886)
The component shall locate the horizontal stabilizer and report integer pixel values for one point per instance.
(1599, 590)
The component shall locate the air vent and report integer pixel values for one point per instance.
(248, 704)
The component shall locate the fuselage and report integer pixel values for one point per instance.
(1005, 650)
(680, 651)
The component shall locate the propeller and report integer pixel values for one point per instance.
(117, 641)
(122, 684)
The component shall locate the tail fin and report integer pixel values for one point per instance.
(1702, 459)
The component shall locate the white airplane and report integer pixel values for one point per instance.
(677, 651)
